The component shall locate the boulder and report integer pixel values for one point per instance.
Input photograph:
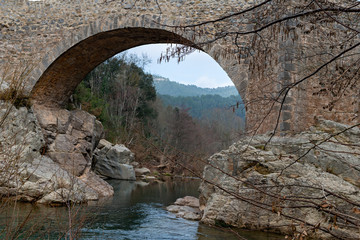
(187, 208)
(120, 153)
(188, 201)
(97, 184)
(141, 171)
(113, 161)
(297, 185)
(109, 169)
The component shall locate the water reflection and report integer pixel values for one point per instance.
(136, 211)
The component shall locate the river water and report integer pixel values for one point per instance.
(136, 211)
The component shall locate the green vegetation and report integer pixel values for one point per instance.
(123, 98)
(119, 94)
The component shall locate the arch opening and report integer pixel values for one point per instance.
(60, 79)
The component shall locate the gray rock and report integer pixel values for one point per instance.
(98, 133)
(97, 184)
(187, 208)
(142, 171)
(40, 160)
(112, 161)
(48, 182)
(104, 143)
(120, 153)
(75, 163)
(185, 212)
(188, 201)
(63, 143)
(110, 169)
(276, 190)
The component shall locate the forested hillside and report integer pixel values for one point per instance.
(123, 97)
(166, 87)
(199, 106)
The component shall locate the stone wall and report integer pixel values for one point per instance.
(61, 41)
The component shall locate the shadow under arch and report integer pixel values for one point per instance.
(60, 79)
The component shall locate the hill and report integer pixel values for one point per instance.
(199, 106)
(166, 87)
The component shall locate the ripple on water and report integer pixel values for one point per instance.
(156, 224)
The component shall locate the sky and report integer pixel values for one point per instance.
(198, 68)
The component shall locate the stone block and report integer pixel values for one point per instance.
(285, 126)
(286, 116)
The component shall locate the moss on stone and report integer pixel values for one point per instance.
(261, 147)
(221, 223)
(264, 170)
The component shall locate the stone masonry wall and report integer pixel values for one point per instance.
(61, 41)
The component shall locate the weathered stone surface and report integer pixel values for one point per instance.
(112, 161)
(188, 201)
(110, 169)
(275, 190)
(20, 135)
(142, 171)
(71, 137)
(95, 182)
(45, 169)
(75, 163)
(120, 153)
(104, 143)
(187, 207)
(186, 212)
(98, 133)
(339, 155)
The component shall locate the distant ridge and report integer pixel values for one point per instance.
(166, 87)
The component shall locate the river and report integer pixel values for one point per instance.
(136, 211)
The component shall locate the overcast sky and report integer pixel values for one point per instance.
(198, 68)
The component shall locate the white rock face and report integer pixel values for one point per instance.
(276, 190)
(113, 161)
(51, 168)
(70, 136)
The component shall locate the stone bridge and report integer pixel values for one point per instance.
(61, 41)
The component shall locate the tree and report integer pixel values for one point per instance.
(119, 93)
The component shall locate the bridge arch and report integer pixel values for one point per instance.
(62, 69)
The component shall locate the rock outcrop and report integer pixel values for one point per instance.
(46, 157)
(187, 207)
(70, 137)
(113, 161)
(307, 184)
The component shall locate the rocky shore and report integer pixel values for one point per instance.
(52, 155)
(46, 155)
(306, 185)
